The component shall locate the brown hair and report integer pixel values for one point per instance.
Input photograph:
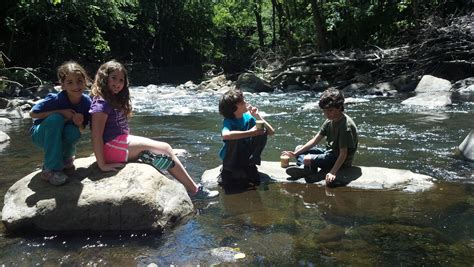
(229, 101)
(69, 67)
(332, 98)
(100, 87)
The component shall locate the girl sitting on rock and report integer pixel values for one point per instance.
(57, 121)
(113, 145)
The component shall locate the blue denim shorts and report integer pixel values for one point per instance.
(320, 158)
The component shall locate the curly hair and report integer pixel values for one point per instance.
(332, 98)
(100, 87)
(229, 101)
(69, 67)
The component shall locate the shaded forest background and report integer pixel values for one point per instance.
(178, 40)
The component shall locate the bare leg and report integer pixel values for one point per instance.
(138, 144)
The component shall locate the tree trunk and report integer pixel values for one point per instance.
(414, 8)
(320, 26)
(273, 24)
(258, 18)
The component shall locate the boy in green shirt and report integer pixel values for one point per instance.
(341, 136)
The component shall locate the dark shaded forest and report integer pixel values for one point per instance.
(178, 40)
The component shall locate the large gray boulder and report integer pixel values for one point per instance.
(136, 198)
(356, 177)
(251, 82)
(431, 92)
(466, 148)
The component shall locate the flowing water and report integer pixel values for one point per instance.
(281, 223)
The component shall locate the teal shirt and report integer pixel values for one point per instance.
(243, 124)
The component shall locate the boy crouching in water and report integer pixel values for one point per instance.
(243, 141)
(341, 136)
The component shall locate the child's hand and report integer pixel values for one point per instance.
(78, 119)
(288, 153)
(257, 132)
(68, 114)
(253, 111)
(111, 167)
(330, 177)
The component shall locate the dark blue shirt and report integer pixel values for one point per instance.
(61, 101)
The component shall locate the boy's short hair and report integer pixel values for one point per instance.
(332, 98)
(229, 101)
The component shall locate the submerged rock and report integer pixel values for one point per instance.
(357, 177)
(136, 198)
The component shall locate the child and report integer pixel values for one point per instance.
(57, 121)
(113, 145)
(243, 142)
(341, 136)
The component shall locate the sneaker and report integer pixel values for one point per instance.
(159, 161)
(297, 172)
(204, 193)
(54, 177)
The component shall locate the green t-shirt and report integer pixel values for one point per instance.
(341, 134)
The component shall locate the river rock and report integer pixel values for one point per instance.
(136, 198)
(431, 92)
(405, 83)
(466, 148)
(249, 81)
(354, 88)
(356, 177)
(4, 140)
(4, 137)
(5, 122)
(44, 89)
(463, 90)
(4, 102)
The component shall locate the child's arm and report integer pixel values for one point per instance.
(66, 113)
(98, 125)
(270, 130)
(234, 135)
(254, 112)
(331, 175)
(78, 120)
(311, 143)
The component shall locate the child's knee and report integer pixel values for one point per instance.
(307, 160)
(55, 119)
(167, 149)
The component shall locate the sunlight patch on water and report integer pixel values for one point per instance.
(168, 100)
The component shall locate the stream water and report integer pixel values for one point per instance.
(281, 223)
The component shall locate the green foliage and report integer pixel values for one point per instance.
(193, 32)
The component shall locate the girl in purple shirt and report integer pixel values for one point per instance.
(113, 145)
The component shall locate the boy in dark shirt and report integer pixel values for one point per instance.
(341, 136)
